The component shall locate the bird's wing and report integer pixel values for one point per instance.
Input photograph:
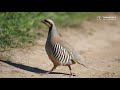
(70, 49)
(75, 55)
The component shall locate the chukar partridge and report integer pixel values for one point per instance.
(59, 52)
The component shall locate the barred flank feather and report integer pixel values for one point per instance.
(61, 54)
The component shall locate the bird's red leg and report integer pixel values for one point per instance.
(54, 67)
(71, 74)
(51, 69)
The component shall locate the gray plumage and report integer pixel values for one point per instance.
(59, 52)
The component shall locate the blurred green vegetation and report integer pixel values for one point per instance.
(21, 28)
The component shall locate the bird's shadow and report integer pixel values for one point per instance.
(29, 68)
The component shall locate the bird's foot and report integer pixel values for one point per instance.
(72, 74)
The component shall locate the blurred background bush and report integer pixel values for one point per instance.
(18, 29)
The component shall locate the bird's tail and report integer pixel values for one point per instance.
(82, 64)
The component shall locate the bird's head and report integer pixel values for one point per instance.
(48, 22)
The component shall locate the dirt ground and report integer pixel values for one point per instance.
(97, 41)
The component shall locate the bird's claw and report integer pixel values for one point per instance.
(72, 74)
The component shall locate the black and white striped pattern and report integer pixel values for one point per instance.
(61, 54)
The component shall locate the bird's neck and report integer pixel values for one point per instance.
(53, 32)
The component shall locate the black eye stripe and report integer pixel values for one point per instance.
(47, 22)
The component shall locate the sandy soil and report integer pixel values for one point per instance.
(97, 41)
